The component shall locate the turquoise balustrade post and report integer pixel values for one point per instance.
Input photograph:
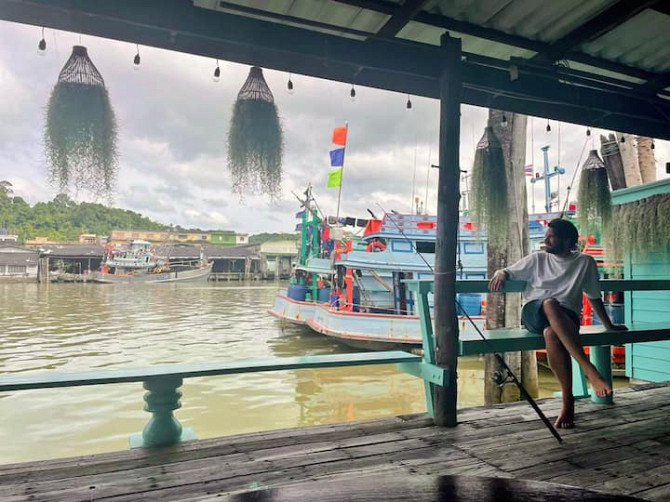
(601, 357)
(163, 429)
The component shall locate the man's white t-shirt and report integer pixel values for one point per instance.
(563, 278)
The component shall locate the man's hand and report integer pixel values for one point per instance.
(497, 281)
(616, 327)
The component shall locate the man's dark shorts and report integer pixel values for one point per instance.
(535, 320)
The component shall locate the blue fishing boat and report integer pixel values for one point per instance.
(351, 287)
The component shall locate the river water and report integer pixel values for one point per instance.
(77, 327)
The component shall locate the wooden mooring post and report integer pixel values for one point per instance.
(448, 196)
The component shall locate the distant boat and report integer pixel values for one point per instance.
(139, 263)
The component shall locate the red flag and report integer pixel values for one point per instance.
(340, 135)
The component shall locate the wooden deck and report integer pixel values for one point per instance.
(622, 449)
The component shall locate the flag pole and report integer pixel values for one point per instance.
(339, 190)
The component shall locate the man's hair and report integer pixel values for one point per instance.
(565, 230)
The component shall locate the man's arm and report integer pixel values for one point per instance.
(498, 280)
(599, 308)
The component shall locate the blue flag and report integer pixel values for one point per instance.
(300, 214)
(298, 227)
(337, 157)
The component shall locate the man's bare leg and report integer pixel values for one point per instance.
(559, 362)
(568, 334)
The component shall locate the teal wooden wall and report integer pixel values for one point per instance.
(647, 361)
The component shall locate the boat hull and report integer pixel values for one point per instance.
(292, 311)
(357, 329)
(200, 274)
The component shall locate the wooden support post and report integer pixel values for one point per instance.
(448, 196)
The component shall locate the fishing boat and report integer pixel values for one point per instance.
(140, 263)
(357, 294)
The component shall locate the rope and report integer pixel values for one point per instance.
(574, 175)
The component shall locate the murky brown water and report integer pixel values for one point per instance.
(76, 327)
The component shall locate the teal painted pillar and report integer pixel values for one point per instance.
(163, 429)
(601, 357)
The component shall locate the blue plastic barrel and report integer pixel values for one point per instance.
(615, 312)
(470, 302)
(296, 292)
(323, 295)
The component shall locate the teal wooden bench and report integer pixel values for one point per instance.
(163, 382)
(514, 339)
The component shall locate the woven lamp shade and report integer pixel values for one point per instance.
(255, 139)
(80, 134)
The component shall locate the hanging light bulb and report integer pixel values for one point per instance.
(289, 84)
(548, 127)
(352, 92)
(409, 103)
(217, 72)
(623, 138)
(588, 131)
(653, 145)
(503, 120)
(42, 45)
(136, 59)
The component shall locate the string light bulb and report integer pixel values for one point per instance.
(136, 59)
(623, 138)
(653, 145)
(352, 92)
(503, 120)
(588, 131)
(409, 102)
(217, 72)
(289, 84)
(42, 45)
(548, 127)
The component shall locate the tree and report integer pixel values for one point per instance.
(504, 310)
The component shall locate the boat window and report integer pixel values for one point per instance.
(425, 247)
(475, 276)
(473, 247)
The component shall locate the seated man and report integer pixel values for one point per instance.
(555, 279)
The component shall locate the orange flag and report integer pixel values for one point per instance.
(340, 135)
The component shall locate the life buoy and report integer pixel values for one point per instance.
(375, 246)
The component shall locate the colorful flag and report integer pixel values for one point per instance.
(335, 178)
(300, 214)
(528, 170)
(340, 135)
(337, 157)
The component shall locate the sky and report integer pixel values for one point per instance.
(173, 122)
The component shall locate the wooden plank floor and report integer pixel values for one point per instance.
(622, 449)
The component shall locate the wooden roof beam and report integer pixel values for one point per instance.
(604, 22)
(401, 17)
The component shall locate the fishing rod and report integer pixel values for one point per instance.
(498, 357)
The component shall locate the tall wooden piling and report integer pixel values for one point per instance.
(448, 196)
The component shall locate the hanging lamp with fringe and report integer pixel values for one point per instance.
(255, 139)
(81, 134)
(594, 200)
(489, 189)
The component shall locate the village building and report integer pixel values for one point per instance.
(18, 263)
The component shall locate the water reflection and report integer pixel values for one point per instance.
(77, 327)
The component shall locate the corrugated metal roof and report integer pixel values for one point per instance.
(641, 42)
